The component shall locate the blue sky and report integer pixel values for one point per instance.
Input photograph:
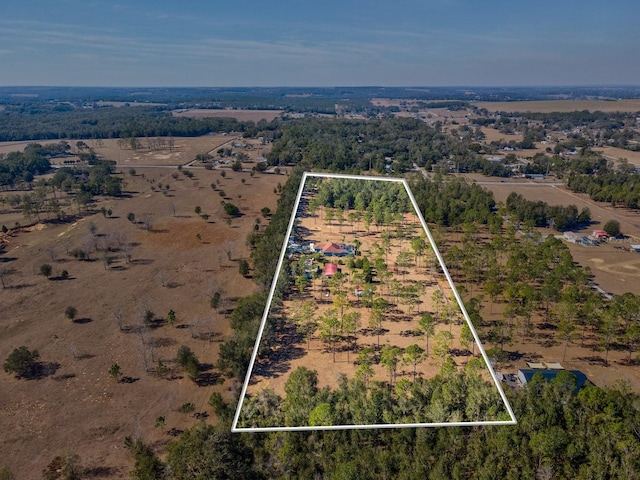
(319, 43)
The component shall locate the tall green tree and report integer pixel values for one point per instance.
(427, 327)
(390, 356)
(22, 362)
(379, 308)
(413, 355)
(330, 329)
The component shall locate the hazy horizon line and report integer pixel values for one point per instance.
(544, 86)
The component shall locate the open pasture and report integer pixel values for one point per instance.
(175, 265)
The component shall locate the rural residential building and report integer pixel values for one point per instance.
(334, 250)
(330, 269)
(599, 235)
(526, 375)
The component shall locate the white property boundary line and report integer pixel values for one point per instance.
(234, 426)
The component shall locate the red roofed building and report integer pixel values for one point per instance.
(599, 234)
(333, 249)
(330, 269)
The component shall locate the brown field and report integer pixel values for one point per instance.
(547, 106)
(6, 147)
(319, 357)
(493, 135)
(183, 152)
(241, 115)
(613, 153)
(78, 408)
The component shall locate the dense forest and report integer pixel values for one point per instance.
(560, 434)
(618, 188)
(389, 145)
(47, 122)
(540, 214)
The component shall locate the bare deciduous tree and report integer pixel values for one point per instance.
(125, 249)
(4, 274)
(88, 244)
(73, 350)
(162, 277)
(147, 222)
(193, 326)
(118, 316)
(228, 249)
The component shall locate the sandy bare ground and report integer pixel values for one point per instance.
(547, 106)
(79, 408)
(319, 357)
(584, 355)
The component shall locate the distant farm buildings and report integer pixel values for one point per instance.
(599, 235)
(534, 176)
(580, 239)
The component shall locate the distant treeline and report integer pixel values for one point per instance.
(46, 122)
(618, 188)
(582, 118)
(541, 214)
(275, 95)
(382, 145)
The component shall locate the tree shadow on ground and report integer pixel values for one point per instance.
(82, 321)
(42, 370)
(206, 377)
(594, 360)
(164, 342)
(278, 361)
(142, 261)
(19, 287)
(84, 356)
(101, 472)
